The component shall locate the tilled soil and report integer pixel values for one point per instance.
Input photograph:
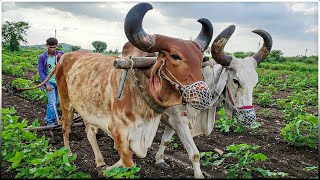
(281, 156)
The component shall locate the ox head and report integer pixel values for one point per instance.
(242, 75)
(176, 75)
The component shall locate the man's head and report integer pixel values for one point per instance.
(52, 44)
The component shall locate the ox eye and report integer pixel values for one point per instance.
(175, 57)
(236, 82)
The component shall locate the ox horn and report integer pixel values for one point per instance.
(134, 30)
(205, 35)
(218, 46)
(266, 47)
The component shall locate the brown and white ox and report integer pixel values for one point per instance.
(88, 84)
(231, 81)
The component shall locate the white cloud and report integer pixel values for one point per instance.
(303, 8)
(311, 29)
(79, 24)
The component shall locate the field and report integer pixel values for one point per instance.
(285, 100)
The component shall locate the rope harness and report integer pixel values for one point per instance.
(245, 115)
(150, 101)
(198, 94)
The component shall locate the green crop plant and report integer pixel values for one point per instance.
(265, 98)
(122, 173)
(239, 161)
(29, 156)
(210, 159)
(226, 124)
(302, 131)
(172, 143)
(244, 157)
(35, 94)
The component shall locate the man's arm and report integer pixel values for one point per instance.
(41, 69)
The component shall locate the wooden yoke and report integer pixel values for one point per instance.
(138, 62)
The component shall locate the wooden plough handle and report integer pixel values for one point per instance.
(56, 127)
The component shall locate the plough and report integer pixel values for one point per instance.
(56, 127)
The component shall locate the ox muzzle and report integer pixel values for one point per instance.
(198, 95)
(245, 115)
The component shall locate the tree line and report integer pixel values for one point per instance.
(14, 33)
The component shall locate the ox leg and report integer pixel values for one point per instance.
(123, 148)
(66, 108)
(167, 134)
(91, 135)
(66, 122)
(184, 133)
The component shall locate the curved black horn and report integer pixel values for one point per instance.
(134, 30)
(266, 47)
(218, 46)
(205, 35)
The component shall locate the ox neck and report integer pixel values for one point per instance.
(149, 100)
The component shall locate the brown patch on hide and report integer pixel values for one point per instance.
(123, 149)
(196, 157)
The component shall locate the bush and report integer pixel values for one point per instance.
(29, 155)
(303, 131)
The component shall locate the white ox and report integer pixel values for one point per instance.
(231, 81)
(88, 84)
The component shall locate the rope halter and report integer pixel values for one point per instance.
(246, 115)
(198, 94)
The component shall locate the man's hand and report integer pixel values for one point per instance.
(59, 55)
(48, 87)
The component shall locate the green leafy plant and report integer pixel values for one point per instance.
(265, 98)
(29, 156)
(35, 94)
(264, 111)
(226, 124)
(244, 157)
(172, 143)
(302, 131)
(122, 172)
(210, 158)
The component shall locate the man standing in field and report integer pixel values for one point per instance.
(46, 63)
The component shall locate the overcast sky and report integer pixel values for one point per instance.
(292, 25)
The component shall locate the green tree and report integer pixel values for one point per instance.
(275, 55)
(241, 54)
(13, 33)
(75, 48)
(100, 46)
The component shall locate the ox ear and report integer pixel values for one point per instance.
(222, 81)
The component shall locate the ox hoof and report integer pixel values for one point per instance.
(101, 164)
(163, 165)
(199, 176)
(100, 169)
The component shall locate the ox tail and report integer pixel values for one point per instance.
(39, 85)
